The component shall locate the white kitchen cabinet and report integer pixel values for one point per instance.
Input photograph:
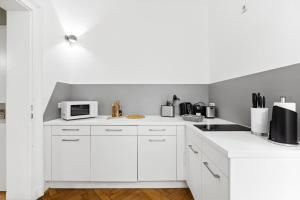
(70, 158)
(214, 183)
(2, 64)
(2, 157)
(157, 158)
(195, 171)
(114, 158)
(194, 166)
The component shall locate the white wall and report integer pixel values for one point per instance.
(2, 64)
(265, 37)
(126, 41)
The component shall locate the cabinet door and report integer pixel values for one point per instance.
(70, 158)
(114, 158)
(215, 184)
(2, 157)
(157, 158)
(195, 171)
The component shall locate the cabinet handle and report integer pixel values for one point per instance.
(157, 129)
(157, 140)
(70, 129)
(113, 130)
(215, 175)
(70, 140)
(193, 150)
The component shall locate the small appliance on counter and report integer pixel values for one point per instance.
(210, 110)
(283, 126)
(199, 109)
(78, 109)
(2, 114)
(185, 108)
(259, 115)
(168, 110)
(116, 109)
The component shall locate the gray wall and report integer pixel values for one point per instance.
(2, 17)
(233, 97)
(135, 99)
(61, 92)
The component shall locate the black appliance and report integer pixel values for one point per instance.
(185, 108)
(199, 108)
(283, 127)
(222, 127)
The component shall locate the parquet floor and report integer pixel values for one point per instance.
(118, 194)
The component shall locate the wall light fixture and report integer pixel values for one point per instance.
(72, 39)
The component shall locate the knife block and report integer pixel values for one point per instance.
(259, 121)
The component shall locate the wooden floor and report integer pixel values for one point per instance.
(2, 195)
(118, 194)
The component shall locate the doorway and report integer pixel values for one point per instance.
(24, 139)
(2, 101)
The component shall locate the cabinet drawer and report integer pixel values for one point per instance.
(70, 158)
(71, 130)
(157, 130)
(215, 184)
(217, 157)
(114, 130)
(114, 158)
(156, 158)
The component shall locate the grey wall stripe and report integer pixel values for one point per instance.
(135, 99)
(233, 97)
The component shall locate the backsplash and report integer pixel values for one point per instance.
(135, 98)
(233, 97)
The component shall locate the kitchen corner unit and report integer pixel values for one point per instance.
(162, 153)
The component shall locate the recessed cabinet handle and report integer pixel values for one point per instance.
(112, 130)
(157, 140)
(193, 150)
(70, 140)
(151, 129)
(215, 175)
(70, 129)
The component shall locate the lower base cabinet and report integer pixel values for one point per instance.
(157, 158)
(70, 158)
(114, 158)
(214, 183)
(194, 162)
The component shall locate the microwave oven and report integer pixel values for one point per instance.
(78, 109)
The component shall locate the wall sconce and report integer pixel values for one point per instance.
(245, 7)
(72, 39)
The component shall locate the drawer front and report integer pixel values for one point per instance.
(194, 138)
(215, 184)
(156, 158)
(217, 157)
(70, 158)
(114, 158)
(157, 130)
(114, 130)
(71, 130)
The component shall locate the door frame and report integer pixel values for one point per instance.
(33, 164)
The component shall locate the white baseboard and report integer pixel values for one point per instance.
(94, 185)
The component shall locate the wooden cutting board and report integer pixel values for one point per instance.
(135, 116)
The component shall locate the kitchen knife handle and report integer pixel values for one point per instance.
(254, 100)
(264, 102)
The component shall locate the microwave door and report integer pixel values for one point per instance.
(80, 110)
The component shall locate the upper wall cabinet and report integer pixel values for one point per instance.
(2, 64)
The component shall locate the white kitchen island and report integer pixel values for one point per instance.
(169, 152)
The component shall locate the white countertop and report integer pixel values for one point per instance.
(232, 144)
(148, 120)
